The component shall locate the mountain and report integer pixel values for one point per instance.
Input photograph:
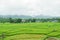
(15, 16)
(26, 17)
(43, 16)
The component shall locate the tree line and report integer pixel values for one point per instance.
(19, 20)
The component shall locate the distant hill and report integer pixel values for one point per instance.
(43, 16)
(26, 17)
(15, 16)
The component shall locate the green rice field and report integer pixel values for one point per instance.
(29, 31)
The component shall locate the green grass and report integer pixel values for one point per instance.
(26, 37)
(11, 29)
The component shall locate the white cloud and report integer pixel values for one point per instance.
(30, 7)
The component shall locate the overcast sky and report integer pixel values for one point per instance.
(30, 7)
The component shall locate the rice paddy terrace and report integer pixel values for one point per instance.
(30, 31)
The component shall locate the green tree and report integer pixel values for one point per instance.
(18, 20)
(11, 20)
(33, 20)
